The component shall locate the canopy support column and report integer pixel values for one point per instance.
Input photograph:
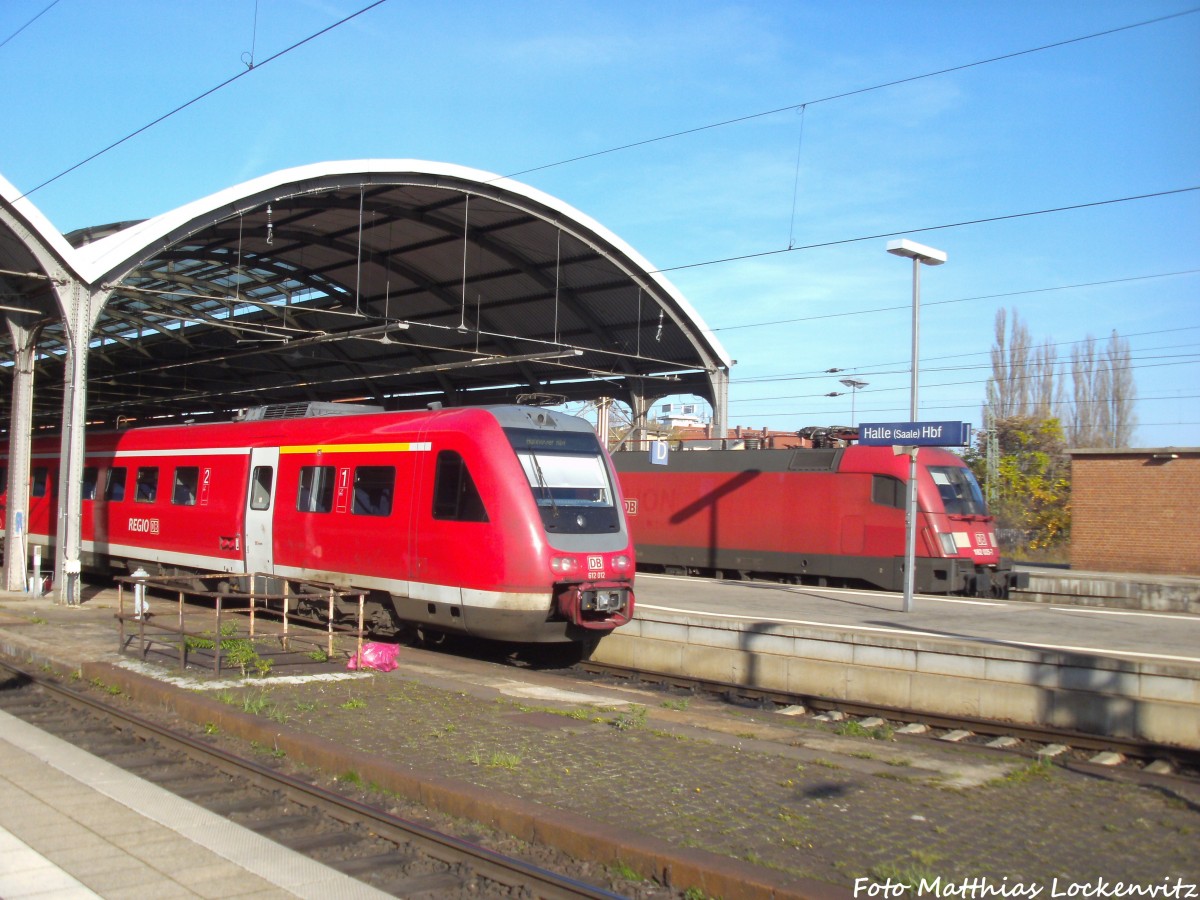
(80, 308)
(24, 333)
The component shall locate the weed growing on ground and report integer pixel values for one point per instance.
(633, 717)
(910, 874)
(1035, 768)
(677, 705)
(110, 689)
(319, 656)
(622, 869)
(257, 704)
(351, 777)
(354, 703)
(855, 729)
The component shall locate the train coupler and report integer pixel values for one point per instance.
(598, 607)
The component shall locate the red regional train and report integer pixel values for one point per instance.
(827, 517)
(503, 523)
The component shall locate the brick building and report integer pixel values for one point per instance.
(1135, 510)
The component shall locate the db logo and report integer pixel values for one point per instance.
(144, 526)
(631, 506)
(981, 538)
(595, 562)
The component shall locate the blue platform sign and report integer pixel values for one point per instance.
(658, 453)
(915, 434)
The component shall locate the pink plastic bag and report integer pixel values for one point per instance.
(375, 656)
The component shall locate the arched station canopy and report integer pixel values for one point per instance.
(390, 282)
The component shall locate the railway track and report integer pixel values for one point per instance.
(393, 854)
(1097, 754)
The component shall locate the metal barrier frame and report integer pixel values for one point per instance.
(182, 586)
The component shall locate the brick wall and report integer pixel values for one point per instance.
(1133, 512)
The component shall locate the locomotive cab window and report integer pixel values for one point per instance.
(373, 486)
(455, 496)
(87, 488)
(146, 490)
(114, 489)
(187, 480)
(316, 489)
(260, 487)
(959, 491)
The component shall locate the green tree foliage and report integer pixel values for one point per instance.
(1033, 482)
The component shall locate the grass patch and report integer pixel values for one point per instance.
(855, 729)
(634, 717)
(677, 705)
(354, 703)
(1035, 768)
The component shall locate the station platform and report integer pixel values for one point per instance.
(1129, 673)
(75, 826)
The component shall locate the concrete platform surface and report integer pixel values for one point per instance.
(73, 825)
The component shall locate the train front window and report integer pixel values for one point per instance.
(959, 491)
(566, 479)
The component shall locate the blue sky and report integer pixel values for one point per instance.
(516, 88)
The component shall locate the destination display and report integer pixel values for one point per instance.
(915, 434)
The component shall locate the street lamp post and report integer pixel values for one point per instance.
(919, 254)
(855, 386)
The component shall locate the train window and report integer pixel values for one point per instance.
(87, 490)
(187, 480)
(147, 484)
(114, 490)
(41, 478)
(316, 489)
(3, 479)
(959, 490)
(373, 486)
(455, 496)
(888, 491)
(260, 487)
(567, 479)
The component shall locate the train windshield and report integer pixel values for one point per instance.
(959, 490)
(564, 470)
(566, 479)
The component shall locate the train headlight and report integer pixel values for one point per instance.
(949, 547)
(563, 564)
(620, 562)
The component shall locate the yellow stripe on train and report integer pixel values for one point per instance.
(401, 447)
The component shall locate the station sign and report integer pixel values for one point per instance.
(658, 453)
(915, 434)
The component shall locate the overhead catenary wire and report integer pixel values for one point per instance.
(181, 107)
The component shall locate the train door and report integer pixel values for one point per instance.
(260, 503)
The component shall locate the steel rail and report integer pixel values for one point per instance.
(1043, 734)
(537, 881)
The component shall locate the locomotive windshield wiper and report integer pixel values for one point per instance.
(537, 467)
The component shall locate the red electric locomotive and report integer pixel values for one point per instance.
(499, 522)
(813, 516)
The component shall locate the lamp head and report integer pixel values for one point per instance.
(911, 249)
